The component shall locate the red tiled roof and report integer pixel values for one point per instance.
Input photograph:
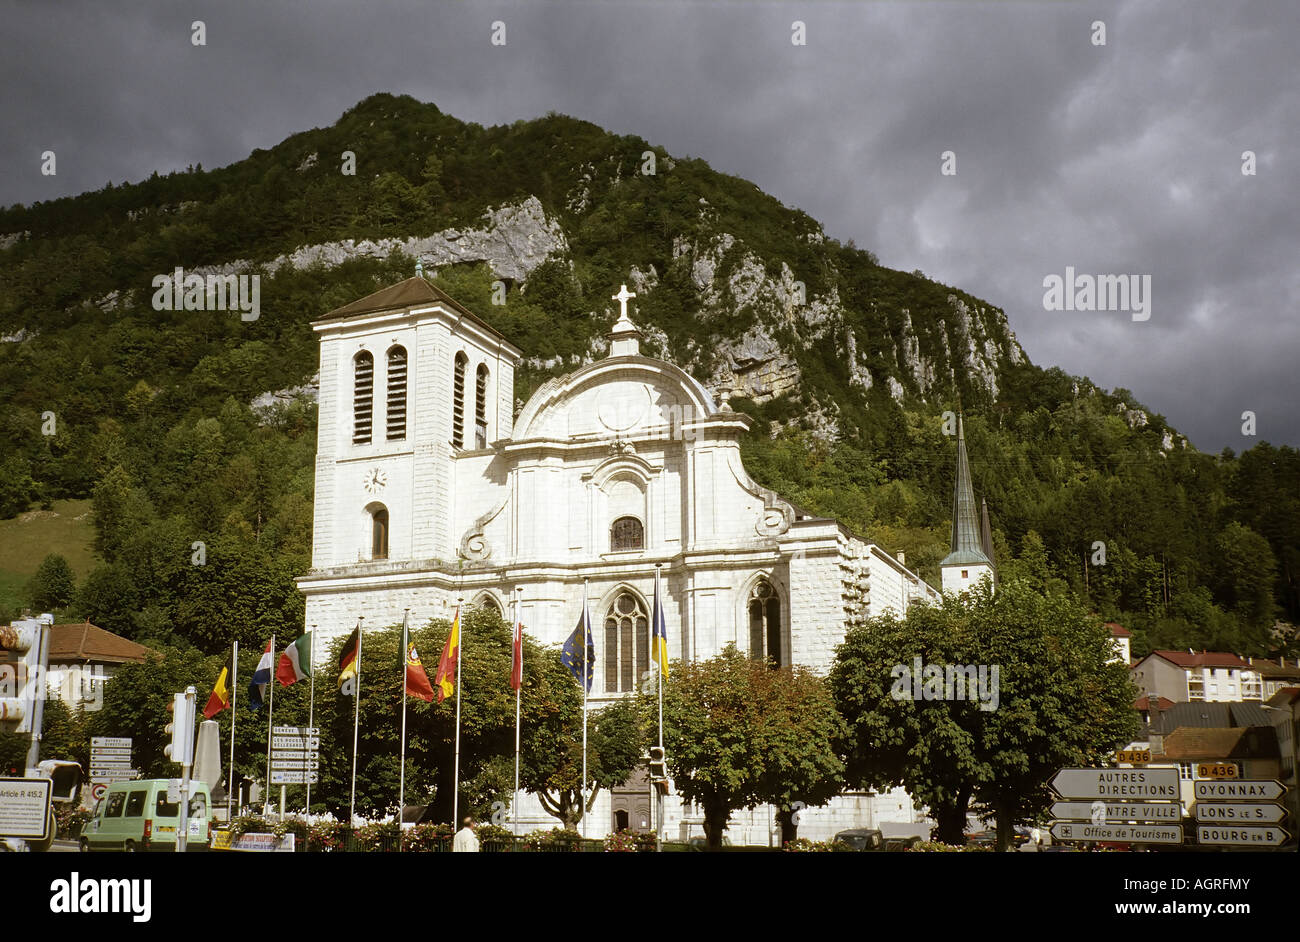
(1204, 659)
(1119, 631)
(86, 642)
(1243, 742)
(1270, 668)
(1144, 703)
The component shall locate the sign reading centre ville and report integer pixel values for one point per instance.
(1120, 784)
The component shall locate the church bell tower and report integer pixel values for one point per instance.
(971, 556)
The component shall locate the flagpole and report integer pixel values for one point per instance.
(514, 802)
(460, 646)
(658, 663)
(356, 723)
(401, 779)
(586, 684)
(270, 713)
(311, 705)
(234, 685)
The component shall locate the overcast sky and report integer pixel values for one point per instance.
(1117, 159)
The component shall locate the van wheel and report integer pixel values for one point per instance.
(85, 846)
(129, 847)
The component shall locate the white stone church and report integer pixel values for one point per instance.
(430, 488)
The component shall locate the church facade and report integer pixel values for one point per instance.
(431, 489)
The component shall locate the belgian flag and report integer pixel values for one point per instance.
(348, 666)
(219, 699)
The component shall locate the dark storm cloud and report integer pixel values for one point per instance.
(1116, 159)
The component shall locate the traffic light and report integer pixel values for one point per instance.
(180, 729)
(658, 764)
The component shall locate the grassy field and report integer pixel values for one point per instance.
(28, 538)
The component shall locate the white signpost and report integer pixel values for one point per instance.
(110, 760)
(1118, 812)
(1240, 790)
(294, 755)
(1227, 813)
(1234, 836)
(1117, 784)
(1135, 833)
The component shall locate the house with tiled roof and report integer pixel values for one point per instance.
(1277, 674)
(1123, 640)
(83, 657)
(1191, 676)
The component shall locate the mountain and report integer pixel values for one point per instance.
(846, 366)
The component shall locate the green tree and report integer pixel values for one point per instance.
(53, 584)
(740, 733)
(1055, 700)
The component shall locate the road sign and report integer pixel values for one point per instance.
(25, 807)
(1131, 833)
(108, 778)
(293, 754)
(110, 742)
(1233, 835)
(116, 762)
(1133, 756)
(293, 778)
(110, 751)
(98, 791)
(1217, 770)
(294, 764)
(301, 743)
(1116, 783)
(295, 731)
(1242, 790)
(1225, 812)
(1117, 811)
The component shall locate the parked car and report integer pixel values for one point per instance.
(863, 839)
(138, 816)
(898, 844)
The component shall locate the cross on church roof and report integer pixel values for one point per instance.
(622, 298)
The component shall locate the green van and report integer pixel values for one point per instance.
(136, 816)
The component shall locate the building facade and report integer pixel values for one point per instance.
(432, 491)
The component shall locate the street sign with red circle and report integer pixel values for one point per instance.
(98, 791)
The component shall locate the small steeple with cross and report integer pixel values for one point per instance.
(624, 339)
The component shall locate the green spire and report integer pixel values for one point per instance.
(967, 545)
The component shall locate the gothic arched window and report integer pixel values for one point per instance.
(363, 397)
(480, 406)
(488, 603)
(765, 623)
(626, 534)
(627, 643)
(396, 413)
(458, 401)
(379, 533)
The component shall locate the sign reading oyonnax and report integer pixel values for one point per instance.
(1262, 790)
(1138, 833)
(1116, 783)
(1119, 811)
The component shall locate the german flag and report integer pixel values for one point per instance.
(348, 663)
(219, 699)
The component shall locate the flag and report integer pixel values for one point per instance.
(261, 677)
(659, 641)
(348, 663)
(417, 681)
(572, 654)
(517, 662)
(446, 678)
(219, 699)
(295, 662)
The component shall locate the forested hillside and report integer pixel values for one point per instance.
(845, 366)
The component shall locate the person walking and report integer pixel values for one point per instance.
(466, 840)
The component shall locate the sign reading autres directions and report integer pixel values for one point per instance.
(1120, 784)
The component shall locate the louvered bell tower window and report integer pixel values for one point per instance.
(480, 407)
(396, 412)
(363, 398)
(458, 401)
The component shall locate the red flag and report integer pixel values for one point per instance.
(446, 678)
(517, 667)
(417, 681)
